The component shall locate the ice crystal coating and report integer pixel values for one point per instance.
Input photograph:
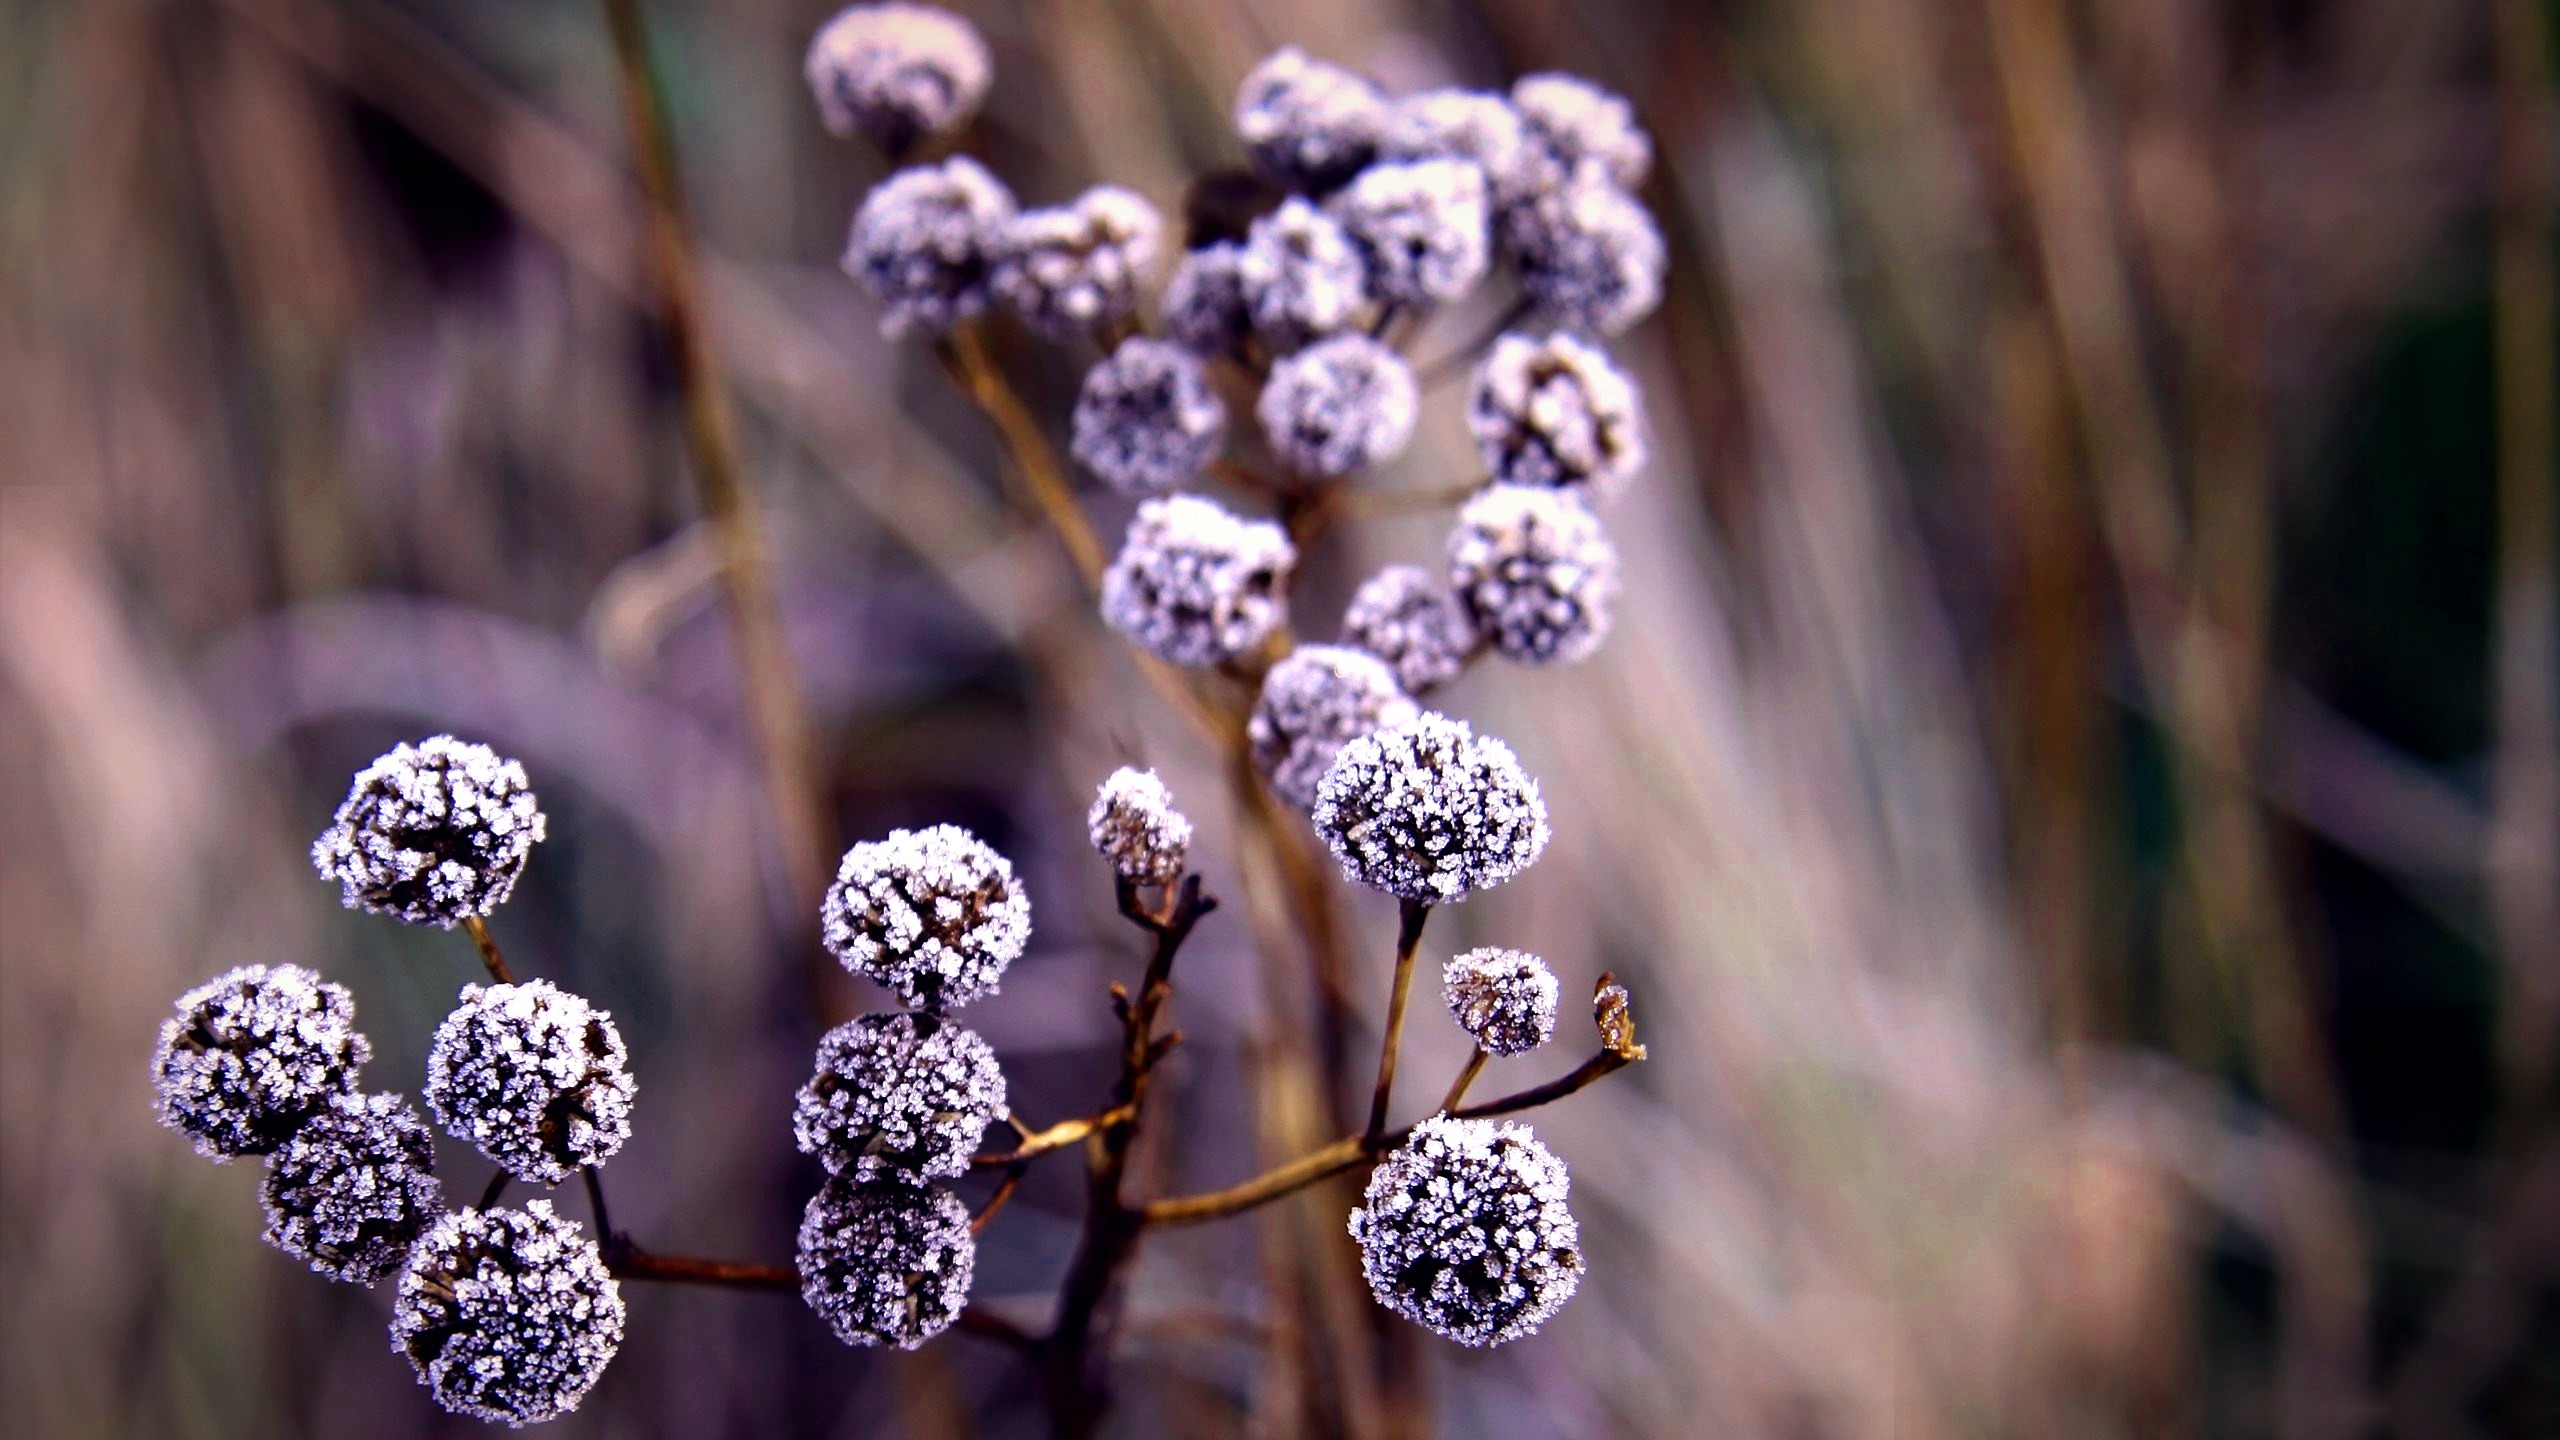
(1339, 405)
(1314, 701)
(1430, 811)
(1407, 618)
(1194, 584)
(935, 915)
(1303, 278)
(1555, 412)
(433, 833)
(253, 1053)
(1506, 999)
(1588, 253)
(1204, 304)
(1535, 572)
(1424, 227)
(897, 73)
(1465, 1231)
(898, 1098)
(1146, 419)
(507, 1315)
(1580, 125)
(924, 242)
(1306, 122)
(532, 1075)
(353, 1188)
(1068, 268)
(886, 1265)
(1135, 827)
(1476, 126)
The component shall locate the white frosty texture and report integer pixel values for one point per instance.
(353, 1188)
(899, 1097)
(1430, 811)
(1465, 1231)
(508, 1315)
(1476, 126)
(534, 1077)
(1582, 126)
(1555, 412)
(1506, 999)
(886, 1265)
(1196, 585)
(251, 1054)
(1423, 226)
(1308, 123)
(897, 73)
(1146, 419)
(1204, 304)
(1406, 617)
(1588, 252)
(1338, 406)
(1535, 572)
(935, 915)
(1314, 701)
(1135, 827)
(1303, 277)
(432, 833)
(1068, 268)
(924, 242)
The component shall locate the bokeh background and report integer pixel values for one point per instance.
(2071, 789)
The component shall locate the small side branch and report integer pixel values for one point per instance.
(478, 930)
(630, 1262)
(1410, 921)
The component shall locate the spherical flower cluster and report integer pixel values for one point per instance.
(935, 915)
(1313, 702)
(1424, 226)
(1579, 125)
(1588, 253)
(1146, 419)
(886, 1265)
(1535, 572)
(925, 240)
(1429, 811)
(897, 73)
(353, 1188)
(1407, 618)
(1303, 277)
(1465, 1231)
(433, 833)
(1204, 303)
(1555, 412)
(1505, 999)
(1476, 126)
(1135, 827)
(534, 1077)
(898, 1098)
(1339, 405)
(252, 1054)
(1307, 123)
(1195, 585)
(507, 1315)
(1068, 268)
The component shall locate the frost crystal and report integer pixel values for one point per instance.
(1588, 253)
(1466, 1232)
(898, 1098)
(897, 73)
(1136, 828)
(1204, 304)
(251, 1054)
(507, 1315)
(1407, 618)
(1146, 419)
(1506, 999)
(924, 241)
(1068, 268)
(1580, 125)
(935, 915)
(1422, 225)
(1339, 405)
(1430, 811)
(350, 1192)
(433, 833)
(1555, 412)
(1477, 126)
(1303, 277)
(532, 1075)
(1308, 123)
(1315, 700)
(886, 1265)
(1195, 585)
(1535, 573)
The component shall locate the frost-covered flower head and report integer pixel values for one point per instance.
(1465, 1231)
(935, 915)
(354, 1188)
(1579, 124)
(1555, 412)
(507, 1315)
(924, 242)
(1313, 702)
(1424, 227)
(1196, 585)
(886, 1264)
(534, 1077)
(897, 72)
(1204, 304)
(1303, 278)
(1146, 419)
(253, 1053)
(1068, 268)
(1135, 827)
(898, 1098)
(1506, 999)
(1308, 123)
(1339, 405)
(1535, 573)
(1407, 618)
(1476, 126)
(1588, 252)
(432, 833)
(1430, 811)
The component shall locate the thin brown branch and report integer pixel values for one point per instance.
(1409, 922)
(988, 1325)
(973, 372)
(1035, 1143)
(1454, 362)
(496, 1187)
(630, 1262)
(1466, 1078)
(478, 930)
(996, 1202)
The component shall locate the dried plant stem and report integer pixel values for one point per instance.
(1035, 1143)
(1466, 1077)
(478, 930)
(1409, 922)
(1432, 372)
(630, 1262)
(996, 1202)
(964, 358)
(496, 1187)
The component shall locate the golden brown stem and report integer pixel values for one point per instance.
(1409, 922)
(1035, 1143)
(630, 1262)
(1466, 1077)
(996, 1202)
(478, 930)
(964, 358)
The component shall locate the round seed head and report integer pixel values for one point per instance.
(1313, 702)
(507, 1315)
(1476, 126)
(935, 915)
(537, 1079)
(1195, 585)
(1465, 1231)
(1339, 405)
(886, 1265)
(1069, 268)
(1307, 123)
(1588, 253)
(1535, 573)
(1423, 226)
(252, 1054)
(1506, 999)
(900, 1098)
(1303, 277)
(1430, 811)
(354, 1188)
(1555, 412)
(1136, 828)
(432, 833)
(897, 73)
(1580, 125)
(1146, 419)
(1407, 618)
(924, 241)
(1204, 302)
